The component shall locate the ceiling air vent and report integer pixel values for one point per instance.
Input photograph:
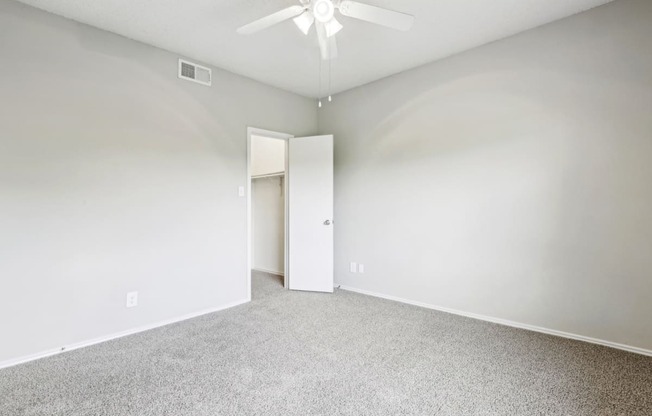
(194, 72)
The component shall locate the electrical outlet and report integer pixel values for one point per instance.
(360, 268)
(132, 299)
(354, 267)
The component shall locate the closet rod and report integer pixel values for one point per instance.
(269, 175)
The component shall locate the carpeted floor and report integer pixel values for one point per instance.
(289, 353)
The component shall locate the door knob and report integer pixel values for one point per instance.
(327, 222)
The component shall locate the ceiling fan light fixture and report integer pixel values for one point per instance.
(323, 10)
(332, 27)
(304, 22)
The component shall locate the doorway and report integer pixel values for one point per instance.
(290, 210)
(267, 197)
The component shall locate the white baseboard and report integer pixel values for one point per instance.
(506, 322)
(259, 269)
(87, 343)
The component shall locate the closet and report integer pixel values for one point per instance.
(268, 161)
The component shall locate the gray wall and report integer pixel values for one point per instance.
(511, 181)
(116, 176)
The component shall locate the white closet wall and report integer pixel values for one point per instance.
(268, 224)
(267, 155)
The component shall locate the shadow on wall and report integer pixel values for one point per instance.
(140, 91)
(496, 182)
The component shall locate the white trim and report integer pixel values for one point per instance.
(254, 131)
(260, 269)
(87, 343)
(505, 322)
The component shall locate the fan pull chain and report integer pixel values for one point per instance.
(330, 61)
(319, 92)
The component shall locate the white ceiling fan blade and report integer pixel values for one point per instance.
(304, 22)
(322, 39)
(332, 27)
(377, 15)
(271, 20)
(327, 46)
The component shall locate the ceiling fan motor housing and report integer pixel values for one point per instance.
(323, 10)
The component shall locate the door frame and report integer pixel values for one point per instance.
(255, 131)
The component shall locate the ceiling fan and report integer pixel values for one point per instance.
(321, 13)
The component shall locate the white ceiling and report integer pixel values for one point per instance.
(283, 57)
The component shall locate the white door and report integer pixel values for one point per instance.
(310, 213)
